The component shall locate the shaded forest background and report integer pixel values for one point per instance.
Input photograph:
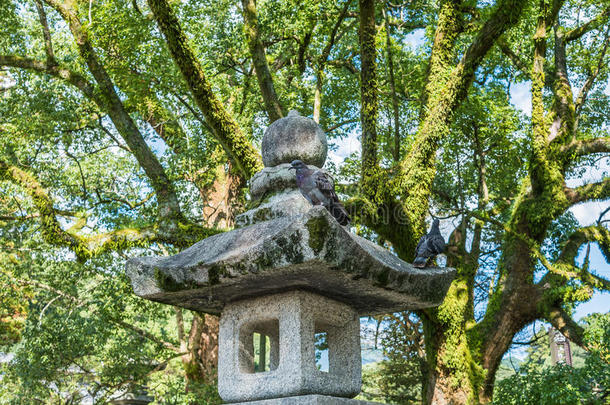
(132, 128)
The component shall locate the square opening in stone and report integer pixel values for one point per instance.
(259, 346)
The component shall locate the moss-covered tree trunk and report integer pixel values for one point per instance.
(454, 374)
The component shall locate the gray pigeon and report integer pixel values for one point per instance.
(318, 188)
(429, 246)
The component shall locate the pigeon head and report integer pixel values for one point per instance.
(435, 224)
(297, 165)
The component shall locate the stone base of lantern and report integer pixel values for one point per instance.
(309, 400)
(290, 321)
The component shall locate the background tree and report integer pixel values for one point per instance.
(537, 381)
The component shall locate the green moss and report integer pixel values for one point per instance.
(167, 282)
(262, 214)
(318, 228)
(449, 351)
(290, 248)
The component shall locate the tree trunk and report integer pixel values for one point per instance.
(368, 88)
(222, 199)
(259, 58)
(201, 347)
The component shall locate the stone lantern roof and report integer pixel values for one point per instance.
(309, 252)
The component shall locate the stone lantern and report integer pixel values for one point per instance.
(288, 272)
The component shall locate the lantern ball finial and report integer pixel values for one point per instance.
(294, 137)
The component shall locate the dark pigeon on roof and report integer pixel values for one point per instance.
(318, 188)
(429, 246)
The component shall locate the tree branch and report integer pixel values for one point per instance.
(506, 14)
(92, 245)
(52, 231)
(592, 24)
(562, 128)
(563, 322)
(169, 208)
(259, 58)
(589, 192)
(594, 233)
(340, 124)
(565, 265)
(147, 335)
(584, 91)
(515, 59)
(225, 129)
(586, 147)
(447, 86)
(46, 33)
(71, 77)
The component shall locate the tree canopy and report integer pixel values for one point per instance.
(132, 128)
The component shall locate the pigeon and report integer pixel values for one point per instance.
(429, 246)
(318, 188)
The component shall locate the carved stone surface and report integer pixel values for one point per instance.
(288, 203)
(309, 252)
(294, 137)
(290, 320)
(274, 179)
(309, 400)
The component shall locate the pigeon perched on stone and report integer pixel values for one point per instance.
(318, 188)
(429, 246)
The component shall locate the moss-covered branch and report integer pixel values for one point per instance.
(259, 58)
(589, 192)
(563, 126)
(368, 93)
(449, 26)
(594, 233)
(67, 75)
(86, 247)
(590, 25)
(564, 323)
(51, 229)
(505, 15)
(225, 129)
(586, 147)
(447, 86)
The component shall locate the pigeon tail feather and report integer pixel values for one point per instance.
(420, 262)
(338, 211)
